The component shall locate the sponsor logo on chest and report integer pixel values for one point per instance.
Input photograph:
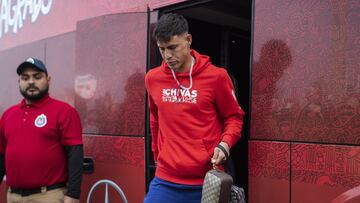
(179, 96)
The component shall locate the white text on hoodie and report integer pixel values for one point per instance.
(179, 96)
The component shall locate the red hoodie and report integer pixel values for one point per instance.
(186, 125)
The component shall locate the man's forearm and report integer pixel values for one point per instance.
(2, 167)
(75, 156)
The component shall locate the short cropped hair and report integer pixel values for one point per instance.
(169, 25)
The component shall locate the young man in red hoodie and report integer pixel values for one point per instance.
(194, 116)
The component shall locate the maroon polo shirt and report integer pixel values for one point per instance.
(33, 136)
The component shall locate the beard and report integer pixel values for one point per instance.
(34, 97)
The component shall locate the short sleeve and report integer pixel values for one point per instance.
(70, 127)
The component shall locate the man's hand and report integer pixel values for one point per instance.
(219, 156)
(68, 199)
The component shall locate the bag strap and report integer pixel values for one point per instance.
(228, 164)
(229, 167)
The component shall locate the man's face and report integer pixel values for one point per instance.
(176, 51)
(33, 84)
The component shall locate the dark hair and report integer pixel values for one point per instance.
(169, 25)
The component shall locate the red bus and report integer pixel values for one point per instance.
(295, 65)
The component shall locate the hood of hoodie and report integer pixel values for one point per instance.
(201, 62)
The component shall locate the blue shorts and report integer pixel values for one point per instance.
(166, 192)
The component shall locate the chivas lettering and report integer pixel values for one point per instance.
(179, 95)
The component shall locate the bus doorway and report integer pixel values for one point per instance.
(222, 30)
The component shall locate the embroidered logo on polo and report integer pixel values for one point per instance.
(40, 121)
(179, 96)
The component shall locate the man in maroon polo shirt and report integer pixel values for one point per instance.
(41, 149)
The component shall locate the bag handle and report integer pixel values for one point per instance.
(229, 167)
(228, 163)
